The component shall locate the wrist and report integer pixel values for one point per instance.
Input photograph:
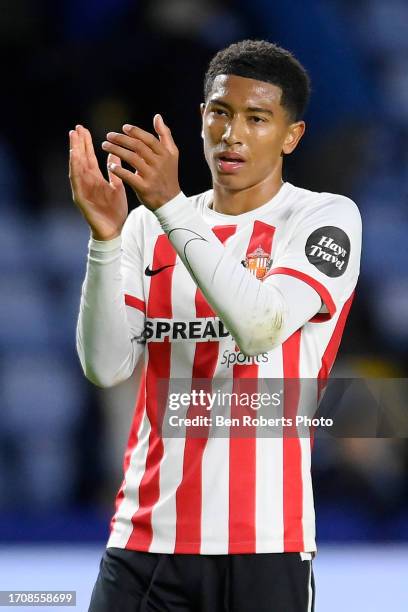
(105, 246)
(170, 197)
(173, 210)
(162, 200)
(104, 237)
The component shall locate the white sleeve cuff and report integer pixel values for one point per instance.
(173, 209)
(105, 246)
(104, 251)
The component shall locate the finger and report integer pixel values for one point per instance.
(133, 159)
(81, 141)
(75, 164)
(148, 139)
(114, 180)
(133, 144)
(89, 148)
(73, 146)
(164, 133)
(76, 167)
(135, 181)
(72, 140)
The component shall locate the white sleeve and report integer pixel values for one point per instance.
(259, 316)
(323, 250)
(111, 318)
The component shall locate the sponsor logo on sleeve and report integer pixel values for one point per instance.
(328, 249)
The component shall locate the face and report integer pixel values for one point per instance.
(245, 132)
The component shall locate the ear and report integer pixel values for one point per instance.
(293, 136)
(202, 109)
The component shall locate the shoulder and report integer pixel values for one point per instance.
(314, 207)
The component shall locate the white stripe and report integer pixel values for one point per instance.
(310, 590)
(307, 406)
(215, 486)
(215, 497)
(269, 495)
(314, 341)
(123, 526)
(308, 518)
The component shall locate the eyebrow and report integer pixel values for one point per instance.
(251, 109)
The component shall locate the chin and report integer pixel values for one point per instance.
(231, 181)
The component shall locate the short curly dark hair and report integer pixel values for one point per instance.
(264, 61)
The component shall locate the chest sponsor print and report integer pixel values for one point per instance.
(200, 330)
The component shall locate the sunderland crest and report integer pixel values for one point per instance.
(258, 262)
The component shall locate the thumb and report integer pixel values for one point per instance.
(114, 180)
(164, 133)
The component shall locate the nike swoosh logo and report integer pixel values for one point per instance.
(150, 272)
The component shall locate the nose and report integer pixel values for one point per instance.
(233, 132)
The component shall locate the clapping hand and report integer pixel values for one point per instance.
(102, 202)
(154, 160)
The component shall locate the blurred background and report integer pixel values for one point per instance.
(106, 62)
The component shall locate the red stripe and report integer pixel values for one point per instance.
(332, 348)
(321, 289)
(223, 232)
(242, 451)
(292, 458)
(330, 353)
(132, 441)
(262, 235)
(149, 490)
(158, 367)
(131, 300)
(159, 303)
(189, 492)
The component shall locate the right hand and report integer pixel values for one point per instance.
(103, 203)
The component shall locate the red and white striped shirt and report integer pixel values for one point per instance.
(279, 282)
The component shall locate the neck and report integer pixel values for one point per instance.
(234, 202)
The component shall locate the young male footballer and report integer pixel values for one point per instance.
(252, 279)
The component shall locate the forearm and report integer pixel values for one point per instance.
(106, 349)
(258, 316)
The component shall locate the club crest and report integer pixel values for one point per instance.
(258, 262)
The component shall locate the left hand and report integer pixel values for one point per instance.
(155, 160)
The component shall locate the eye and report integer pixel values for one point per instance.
(219, 111)
(256, 119)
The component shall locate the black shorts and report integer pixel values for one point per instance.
(133, 581)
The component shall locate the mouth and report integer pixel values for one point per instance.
(229, 162)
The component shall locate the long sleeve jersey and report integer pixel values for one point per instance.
(203, 296)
